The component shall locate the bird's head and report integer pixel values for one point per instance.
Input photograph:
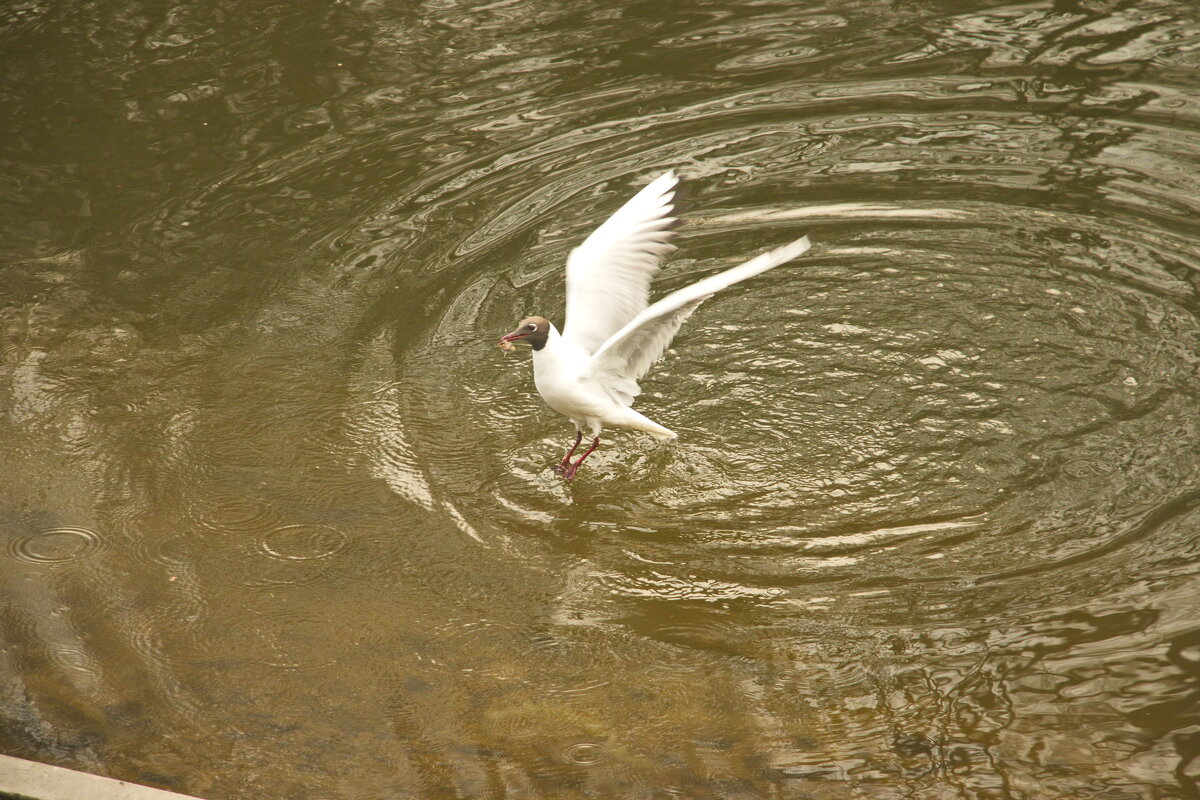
(534, 330)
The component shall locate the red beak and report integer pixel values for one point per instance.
(512, 337)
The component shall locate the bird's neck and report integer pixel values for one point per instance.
(556, 354)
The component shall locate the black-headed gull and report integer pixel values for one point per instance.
(589, 373)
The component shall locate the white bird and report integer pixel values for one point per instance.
(589, 373)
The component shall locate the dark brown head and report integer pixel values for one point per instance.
(534, 330)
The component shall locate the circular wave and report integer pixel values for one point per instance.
(912, 398)
(986, 362)
(302, 542)
(57, 545)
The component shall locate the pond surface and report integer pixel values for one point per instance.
(276, 517)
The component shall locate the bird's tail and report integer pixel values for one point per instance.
(639, 422)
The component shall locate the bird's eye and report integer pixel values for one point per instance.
(532, 327)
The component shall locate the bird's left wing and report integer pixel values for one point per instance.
(630, 352)
(608, 276)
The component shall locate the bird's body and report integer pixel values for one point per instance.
(589, 373)
(562, 376)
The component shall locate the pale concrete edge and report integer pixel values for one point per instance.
(10, 796)
(31, 780)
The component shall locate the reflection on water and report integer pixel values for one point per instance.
(277, 516)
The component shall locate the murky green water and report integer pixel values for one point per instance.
(277, 518)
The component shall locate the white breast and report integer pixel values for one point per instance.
(559, 373)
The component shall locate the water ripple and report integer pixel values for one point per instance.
(584, 753)
(57, 545)
(302, 542)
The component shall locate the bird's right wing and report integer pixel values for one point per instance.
(630, 352)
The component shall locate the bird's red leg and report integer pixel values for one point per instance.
(562, 467)
(571, 470)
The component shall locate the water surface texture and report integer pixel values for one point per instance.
(276, 519)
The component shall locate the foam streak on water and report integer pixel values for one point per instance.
(277, 516)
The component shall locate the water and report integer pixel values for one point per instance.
(277, 517)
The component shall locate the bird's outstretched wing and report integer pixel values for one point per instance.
(608, 276)
(629, 353)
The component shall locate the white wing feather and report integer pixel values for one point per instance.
(608, 276)
(625, 357)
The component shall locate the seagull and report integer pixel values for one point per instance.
(589, 373)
